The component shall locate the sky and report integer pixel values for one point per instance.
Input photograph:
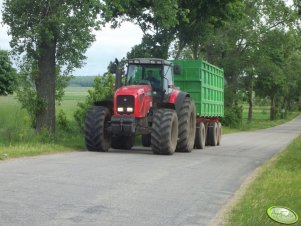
(109, 44)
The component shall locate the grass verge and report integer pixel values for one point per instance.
(260, 123)
(278, 184)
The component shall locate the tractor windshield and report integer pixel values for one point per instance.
(145, 74)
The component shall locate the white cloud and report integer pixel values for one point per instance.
(109, 44)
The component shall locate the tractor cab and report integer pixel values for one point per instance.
(156, 73)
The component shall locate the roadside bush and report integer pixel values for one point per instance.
(233, 117)
(103, 89)
(62, 121)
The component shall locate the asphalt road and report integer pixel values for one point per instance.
(134, 187)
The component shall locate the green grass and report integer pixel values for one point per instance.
(18, 139)
(261, 120)
(278, 183)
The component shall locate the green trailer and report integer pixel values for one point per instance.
(205, 84)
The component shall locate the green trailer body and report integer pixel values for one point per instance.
(205, 84)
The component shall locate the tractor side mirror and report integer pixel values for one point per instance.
(177, 69)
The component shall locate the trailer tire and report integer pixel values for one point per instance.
(187, 126)
(200, 136)
(97, 138)
(146, 140)
(123, 142)
(219, 126)
(213, 134)
(164, 132)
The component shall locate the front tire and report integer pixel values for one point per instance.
(187, 126)
(97, 137)
(164, 134)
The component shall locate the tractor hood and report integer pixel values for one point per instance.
(134, 90)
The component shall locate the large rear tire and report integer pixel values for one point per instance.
(164, 134)
(200, 136)
(187, 126)
(146, 140)
(97, 137)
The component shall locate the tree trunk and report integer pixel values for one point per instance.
(45, 85)
(250, 112)
(180, 49)
(195, 51)
(273, 108)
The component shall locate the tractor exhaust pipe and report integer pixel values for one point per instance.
(118, 75)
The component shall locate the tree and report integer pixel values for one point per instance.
(277, 47)
(203, 19)
(157, 20)
(7, 74)
(53, 34)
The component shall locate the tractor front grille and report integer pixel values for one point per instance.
(126, 103)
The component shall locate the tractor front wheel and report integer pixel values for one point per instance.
(97, 137)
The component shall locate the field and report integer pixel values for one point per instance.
(18, 139)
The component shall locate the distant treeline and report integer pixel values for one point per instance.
(82, 81)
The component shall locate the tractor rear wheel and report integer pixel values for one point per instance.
(200, 136)
(164, 134)
(187, 125)
(97, 137)
(146, 140)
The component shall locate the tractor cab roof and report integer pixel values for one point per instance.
(149, 61)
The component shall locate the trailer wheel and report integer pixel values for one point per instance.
(219, 126)
(187, 125)
(200, 136)
(146, 140)
(122, 142)
(97, 137)
(164, 132)
(213, 134)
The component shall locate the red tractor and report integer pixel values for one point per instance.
(149, 105)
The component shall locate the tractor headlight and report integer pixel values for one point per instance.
(125, 104)
(120, 109)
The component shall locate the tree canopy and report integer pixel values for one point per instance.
(7, 74)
